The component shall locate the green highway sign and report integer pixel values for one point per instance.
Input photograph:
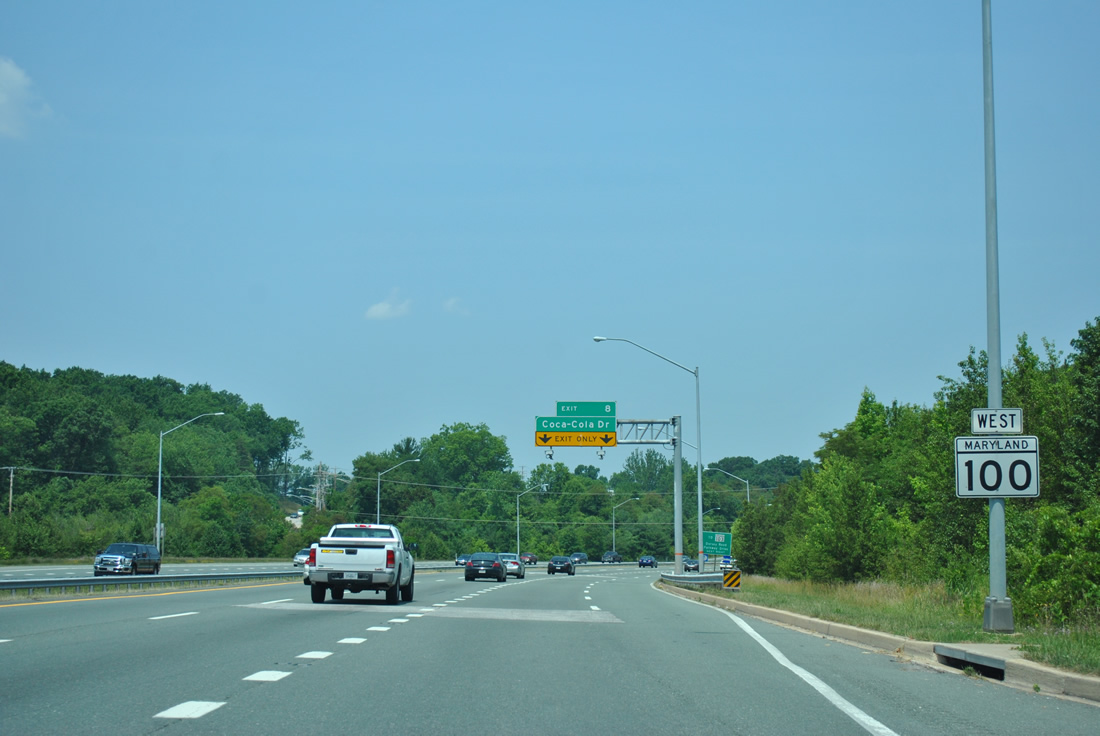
(575, 424)
(586, 409)
(717, 543)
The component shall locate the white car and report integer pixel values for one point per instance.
(513, 565)
(302, 557)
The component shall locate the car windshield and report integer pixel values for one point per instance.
(121, 549)
(560, 559)
(508, 557)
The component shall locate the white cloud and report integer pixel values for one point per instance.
(389, 309)
(454, 306)
(17, 104)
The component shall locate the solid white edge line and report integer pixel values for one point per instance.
(868, 723)
(173, 615)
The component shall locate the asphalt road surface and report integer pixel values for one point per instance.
(601, 652)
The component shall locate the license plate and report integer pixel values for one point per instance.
(351, 576)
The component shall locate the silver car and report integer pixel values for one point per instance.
(514, 565)
(302, 557)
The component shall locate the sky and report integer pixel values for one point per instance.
(380, 219)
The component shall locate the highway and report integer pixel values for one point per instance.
(602, 652)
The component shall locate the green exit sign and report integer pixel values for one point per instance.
(717, 543)
(586, 408)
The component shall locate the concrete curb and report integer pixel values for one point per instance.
(1018, 672)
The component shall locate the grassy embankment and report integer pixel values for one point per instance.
(925, 613)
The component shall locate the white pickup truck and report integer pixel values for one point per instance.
(358, 557)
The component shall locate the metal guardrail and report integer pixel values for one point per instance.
(695, 578)
(105, 582)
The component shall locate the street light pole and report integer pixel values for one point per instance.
(698, 431)
(747, 499)
(613, 547)
(378, 490)
(532, 488)
(158, 535)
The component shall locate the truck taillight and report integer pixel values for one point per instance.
(390, 560)
(312, 557)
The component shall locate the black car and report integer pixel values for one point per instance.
(486, 565)
(528, 559)
(579, 558)
(560, 564)
(127, 558)
(647, 561)
(612, 557)
(691, 564)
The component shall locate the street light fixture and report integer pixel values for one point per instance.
(716, 508)
(158, 533)
(699, 439)
(378, 490)
(747, 499)
(613, 547)
(532, 488)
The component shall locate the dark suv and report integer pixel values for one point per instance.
(612, 557)
(127, 558)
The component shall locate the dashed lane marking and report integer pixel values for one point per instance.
(190, 709)
(266, 676)
(314, 655)
(352, 640)
(173, 615)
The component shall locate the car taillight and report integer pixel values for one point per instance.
(496, 564)
(312, 557)
(469, 563)
(389, 558)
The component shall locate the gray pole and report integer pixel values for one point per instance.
(699, 465)
(998, 606)
(158, 536)
(678, 499)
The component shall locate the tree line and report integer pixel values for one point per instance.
(877, 502)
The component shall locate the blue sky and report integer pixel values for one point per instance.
(382, 218)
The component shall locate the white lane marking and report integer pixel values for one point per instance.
(281, 600)
(352, 640)
(173, 615)
(588, 597)
(594, 608)
(399, 620)
(379, 628)
(439, 605)
(525, 614)
(431, 609)
(190, 709)
(4, 641)
(452, 602)
(868, 723)
(314, 655)
(415, 615)
(267, 676)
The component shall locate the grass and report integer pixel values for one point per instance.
(925, 613)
